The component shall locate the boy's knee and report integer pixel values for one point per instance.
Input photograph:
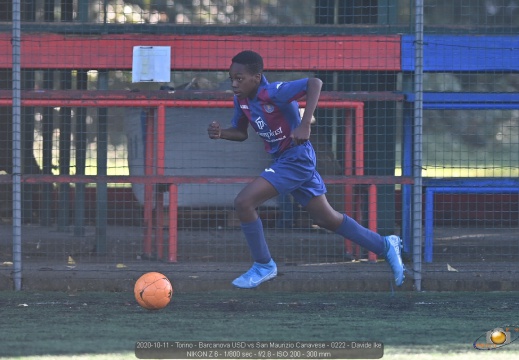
(237, 203)
(240, 203)
(319, 220)
(328, 221)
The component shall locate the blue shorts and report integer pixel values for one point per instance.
(294, 172)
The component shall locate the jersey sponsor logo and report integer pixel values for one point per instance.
(270, 170)
(260, 123)
(268, 108)
(275, 140)
(269, 135)
(245, 107)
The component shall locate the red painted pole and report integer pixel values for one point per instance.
(372, 215)
(161, 139)
(161, 154)
(148, 188)
(154, 103)
(359, 139)
(159, 225)
(348, 171)
(354, 135)
(178, 180)
(173, 223)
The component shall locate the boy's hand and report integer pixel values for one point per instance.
(300, 134)
(214, 130)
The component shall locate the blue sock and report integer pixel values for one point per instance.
(253, 232)
(366, 238)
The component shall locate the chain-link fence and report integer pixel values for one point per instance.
(416, 134)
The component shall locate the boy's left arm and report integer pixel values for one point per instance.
(301, 134)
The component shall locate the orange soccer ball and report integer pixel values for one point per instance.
(153, 291)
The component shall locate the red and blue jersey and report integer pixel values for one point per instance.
(273, 113)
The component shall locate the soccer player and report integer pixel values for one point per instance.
(272, 111)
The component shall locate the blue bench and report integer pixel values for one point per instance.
(457, 186)
(454, 53)
(451, 101)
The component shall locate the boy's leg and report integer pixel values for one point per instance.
(366, 238)
(286, 208)
(325, 216)
(255, 237)
(389, 247)
(245, 204)
(252, 196)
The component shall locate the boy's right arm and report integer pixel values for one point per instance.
(232, 133)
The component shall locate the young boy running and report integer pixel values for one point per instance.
(273, 112)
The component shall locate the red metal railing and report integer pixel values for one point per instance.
(156, 103)
(354, 135)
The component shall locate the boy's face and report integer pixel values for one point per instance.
(244, 84)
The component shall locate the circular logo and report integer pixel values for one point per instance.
(498, 337)
(268, 108)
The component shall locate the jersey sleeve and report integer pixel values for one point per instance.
(239, 119)
(286, 92)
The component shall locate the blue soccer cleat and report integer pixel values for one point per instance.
(393, 256)
(257, 274)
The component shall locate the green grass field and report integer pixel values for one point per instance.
(106, 325)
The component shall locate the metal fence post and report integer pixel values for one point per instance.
(417, 146)
(17, 147)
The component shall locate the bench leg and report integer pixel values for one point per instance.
(406, 218)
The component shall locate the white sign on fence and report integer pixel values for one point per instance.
(151, 64)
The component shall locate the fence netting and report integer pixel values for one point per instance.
(116, 171)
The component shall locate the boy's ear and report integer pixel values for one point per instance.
(257, 77)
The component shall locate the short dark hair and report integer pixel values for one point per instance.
(252, 61)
